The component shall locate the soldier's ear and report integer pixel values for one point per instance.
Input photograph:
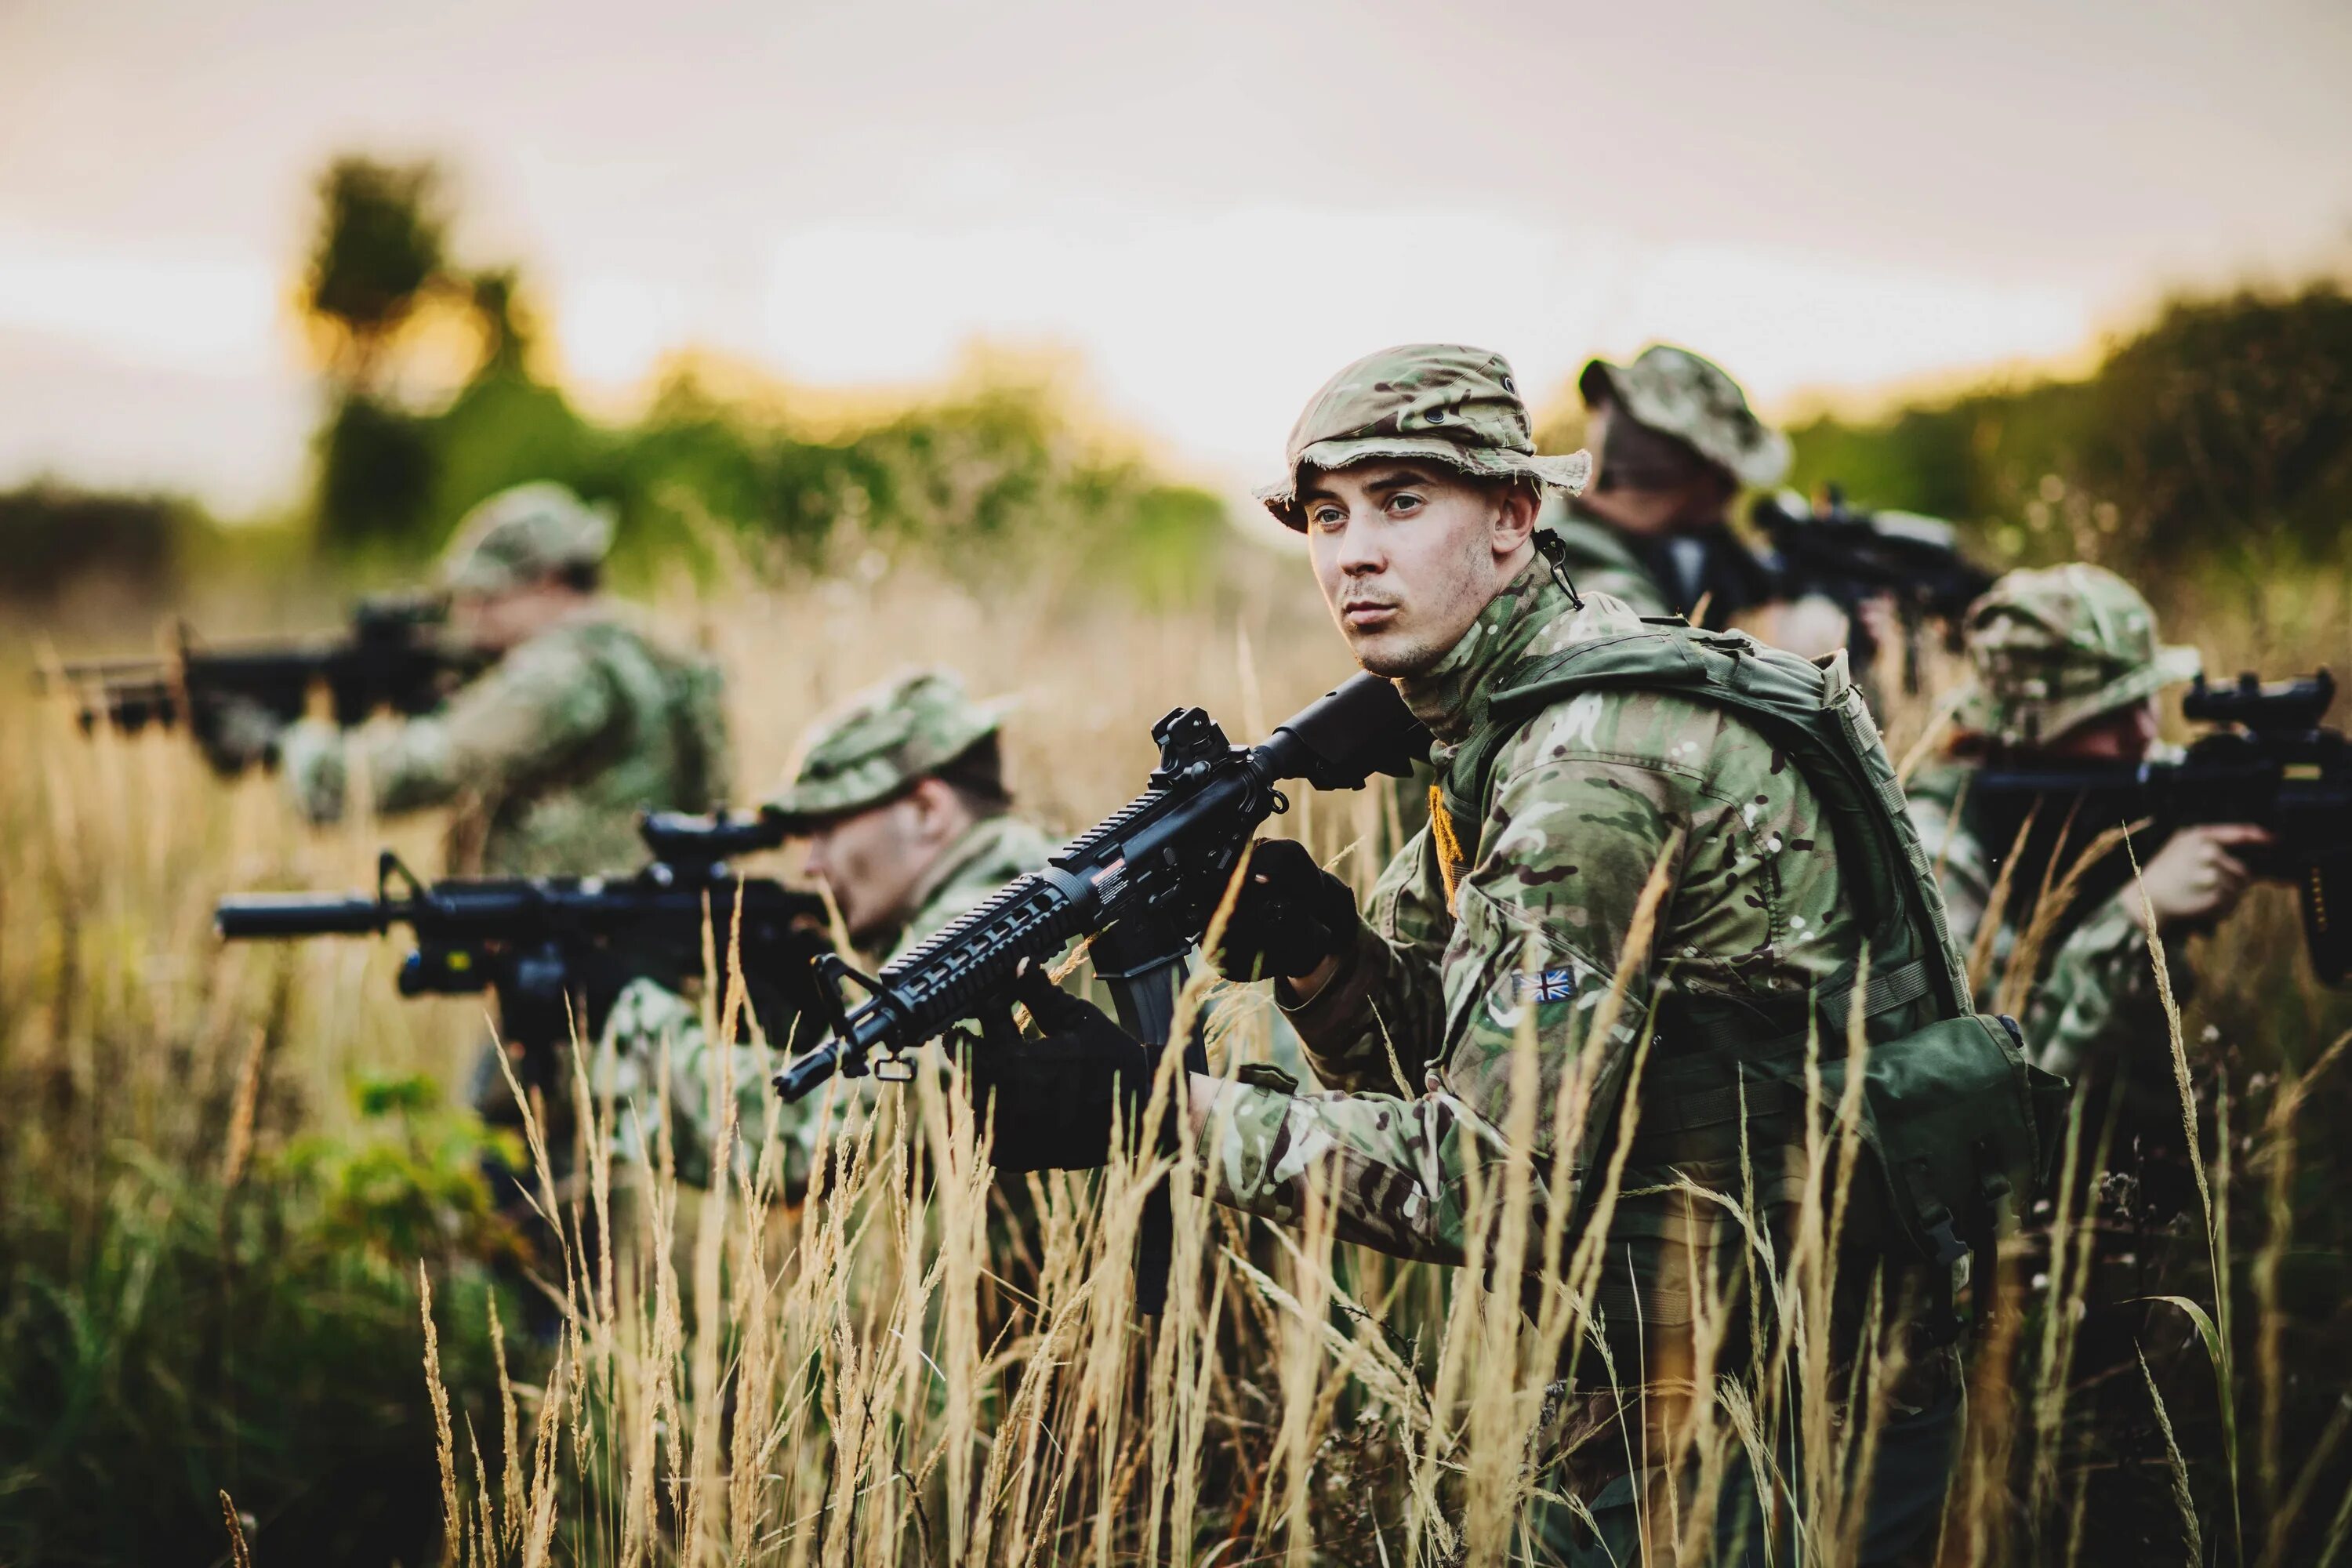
(937, 808)
(1516, 504)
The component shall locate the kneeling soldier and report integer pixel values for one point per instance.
(1711, 821)
(901, 795)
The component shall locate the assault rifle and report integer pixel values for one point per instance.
(1142, 883)
(2271, 764)
(394, 657)
(557, 949)
(1851, 557)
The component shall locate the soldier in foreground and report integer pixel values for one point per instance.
(900, 796)
(1413, 475)
(2067, 668)
(1675, 442)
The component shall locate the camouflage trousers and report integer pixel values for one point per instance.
(1628, 1506)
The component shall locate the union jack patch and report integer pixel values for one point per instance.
(1551, 986)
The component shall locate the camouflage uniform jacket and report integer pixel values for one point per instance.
(1418, 1026)
(2095, 1002)
(549, 757)
(649, 1018)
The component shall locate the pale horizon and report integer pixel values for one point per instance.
(1208, 211)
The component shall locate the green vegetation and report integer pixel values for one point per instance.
(2222, 434)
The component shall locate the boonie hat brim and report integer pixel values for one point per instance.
(1567, 473)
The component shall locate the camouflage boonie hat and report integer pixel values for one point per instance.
(879, 742)
(522, 535)
(1676, 392)
(1456, 406)
(2054, 649)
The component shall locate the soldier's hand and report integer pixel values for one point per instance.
(2196, 880)
(1289, 916)
(234, 733)
(1049, 1099)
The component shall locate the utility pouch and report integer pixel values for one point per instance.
(1958, 1134)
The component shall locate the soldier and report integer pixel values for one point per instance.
(2067, 667)
(582, 723)
(900, 796)
(1623, 749)
(1676, 443)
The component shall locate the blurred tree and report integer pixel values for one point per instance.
(508, 333)
(2228, 424)
(380, 243)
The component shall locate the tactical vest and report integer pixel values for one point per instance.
(1958, 1127)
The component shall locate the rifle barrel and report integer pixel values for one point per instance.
(267, 916)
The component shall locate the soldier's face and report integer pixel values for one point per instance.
(1407, 554)
(496, 623)
(867, 860)
(875, 862)
(2122, 736)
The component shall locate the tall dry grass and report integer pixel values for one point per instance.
(915, 1363)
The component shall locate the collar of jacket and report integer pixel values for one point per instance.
(1450, 697)
(982, 839)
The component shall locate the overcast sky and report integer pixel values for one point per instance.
(1213, 205)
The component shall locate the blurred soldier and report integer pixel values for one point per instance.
(550, 755)
(1676, 442)
(583, 722)
(901, 795)
(1621, 753)
(2067, 668)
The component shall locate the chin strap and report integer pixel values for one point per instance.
(1554, 549)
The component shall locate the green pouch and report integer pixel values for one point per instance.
(1958, 1131)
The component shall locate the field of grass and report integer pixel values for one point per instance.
(247, 1309)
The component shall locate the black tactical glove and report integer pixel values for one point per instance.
(1289, 916)
(1051, 1097)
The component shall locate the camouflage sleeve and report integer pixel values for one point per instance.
(648, 1020)
(2097, 1005)
(1392, 1163)
(532, 712)
(1383, 1014)
(1568, 846)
